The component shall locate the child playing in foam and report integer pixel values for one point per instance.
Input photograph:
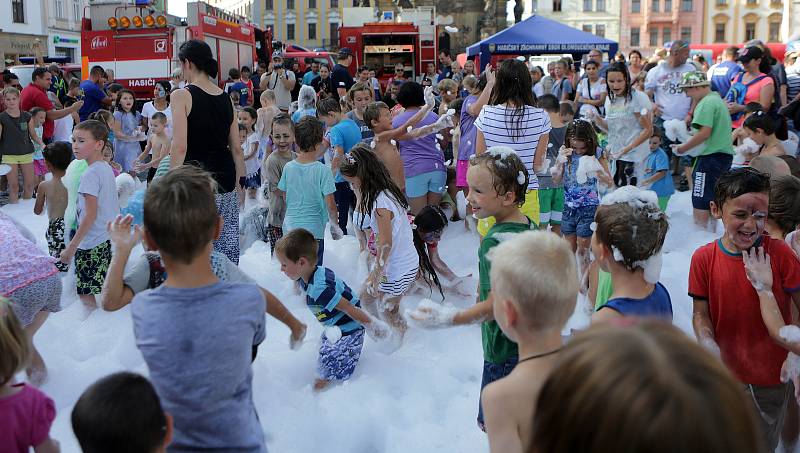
(399, 254)
(53, 194)
(629, 231)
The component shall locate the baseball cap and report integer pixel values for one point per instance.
(693, 79)
(749, 53)
(345, 52)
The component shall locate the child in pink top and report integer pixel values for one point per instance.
(25, 412)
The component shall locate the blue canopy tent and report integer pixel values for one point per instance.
(537, 35)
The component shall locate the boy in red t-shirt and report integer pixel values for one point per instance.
(727, 317)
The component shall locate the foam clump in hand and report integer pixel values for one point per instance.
(588, 166)
(393, 142)
(790, 334)
(451, 112)
(431, 314)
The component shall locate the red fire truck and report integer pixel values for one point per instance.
(381, 45)
(141, 45)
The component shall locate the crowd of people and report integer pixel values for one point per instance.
(567, 177)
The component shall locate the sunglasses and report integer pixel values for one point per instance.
(399, 70)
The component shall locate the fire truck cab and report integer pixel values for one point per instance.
(141, 44)
(409, 38)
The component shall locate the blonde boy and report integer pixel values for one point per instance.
(534, 290)
(158, 144)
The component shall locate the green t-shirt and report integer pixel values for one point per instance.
(712, 112)
(497, 348)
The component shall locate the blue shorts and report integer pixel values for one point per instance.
(337, 361)
(707, 170)
(491, 373)
(578, 221)
(432, 181)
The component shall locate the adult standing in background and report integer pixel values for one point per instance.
(596, 55)
(94, 97)
(280, 80)
(176, 80)
(635, 63)
(35, 95)
(760, 86)
(159, 104)
(446, 63)
(206, 134)
(58, 85)
(720, 74)
(340, 76)
(312, 74)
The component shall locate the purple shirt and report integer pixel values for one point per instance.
(419, 155)
(466, 146)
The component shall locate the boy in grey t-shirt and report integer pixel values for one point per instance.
(196, 333)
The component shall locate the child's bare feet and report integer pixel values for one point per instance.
(320, 385)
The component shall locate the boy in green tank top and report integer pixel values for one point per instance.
(497, 182)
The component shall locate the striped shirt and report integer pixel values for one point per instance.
(499, 128)
(323, 292)
(793, 81)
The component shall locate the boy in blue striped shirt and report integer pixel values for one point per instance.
(333, 303)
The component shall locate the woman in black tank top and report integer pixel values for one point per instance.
(206, 135)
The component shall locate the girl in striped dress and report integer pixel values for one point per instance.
(399, 254)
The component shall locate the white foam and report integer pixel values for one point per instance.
(633, 196)
(521, 178)
(503, 152)
(588, 166)
(790, 334)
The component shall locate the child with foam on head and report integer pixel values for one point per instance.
(580, 170)
(26, 414)
(121, 412)
(498, 181)
(629, 231)
(97, 205)
(333, 304)
(551, 194)
(282, 152)
(39, 167)
(307, 186)
(534, 295)
(727, 317)
(657, 175)
(252, 162)
(198, 335)
(399, 254)
(53, 194)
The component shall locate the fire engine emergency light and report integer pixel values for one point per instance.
(161, 21)
(137, 22)
(113, 22)
(124, 22)
(149, 20)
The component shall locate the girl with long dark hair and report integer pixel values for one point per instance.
(400, 254)
(206, 134)
(512, 119)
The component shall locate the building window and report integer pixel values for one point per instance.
(774, 31)
(601, 5)
(268, 5)
(59, 9)
(636, 6)
(289, 4)
(635, 37)
(312, 4)
(666, 35)
(333, 33)
(18, 11)
(334, 3)
(667, 6)
(686, 34)
(654, 6)
(600, 30)
(752, 3)
(556, 6)
(290, 32)
(719, 32)
(687, 5)
(312, 31)
(76, 10)
(587, 28)
(749, 31)
(653, 37)
(587, 5)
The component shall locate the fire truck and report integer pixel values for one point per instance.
(408, 38)
(141, 44)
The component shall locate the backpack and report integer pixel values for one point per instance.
(738, 91)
